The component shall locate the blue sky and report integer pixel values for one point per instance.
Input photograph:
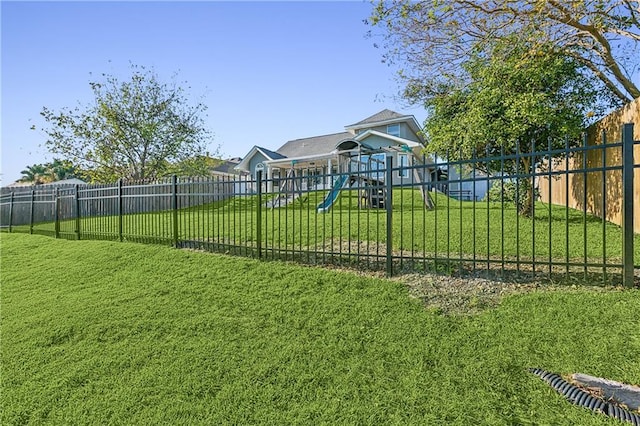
(268, 71)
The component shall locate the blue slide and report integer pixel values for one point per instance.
(332, 196)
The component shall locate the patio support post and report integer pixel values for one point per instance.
(269, 181)
(627, 204)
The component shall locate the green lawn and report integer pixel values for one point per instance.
(453, 229)
(97, 332)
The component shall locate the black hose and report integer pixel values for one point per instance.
(582, 398)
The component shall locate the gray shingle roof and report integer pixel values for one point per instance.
(313, 146)
(385, 114)
(272, 154)
(227, 166)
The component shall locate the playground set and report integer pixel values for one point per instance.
(356, 171)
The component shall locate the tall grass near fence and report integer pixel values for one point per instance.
(401, 235)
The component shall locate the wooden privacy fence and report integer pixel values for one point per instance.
(400, 233)
(599, 193)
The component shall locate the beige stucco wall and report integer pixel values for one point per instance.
(612, 126)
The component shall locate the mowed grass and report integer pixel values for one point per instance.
(97, 332)
(453, 229)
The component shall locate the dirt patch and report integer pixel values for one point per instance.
(462, 286)
(468, 295)
(460, 295)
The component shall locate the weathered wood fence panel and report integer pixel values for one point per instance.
(606, 184)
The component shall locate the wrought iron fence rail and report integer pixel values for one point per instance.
(566, 151)
(380, 220)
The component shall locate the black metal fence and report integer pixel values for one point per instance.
(363, 220)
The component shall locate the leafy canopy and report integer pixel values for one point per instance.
(136, 129)
(519, 98)
(516, 92)
(49, 172)
(431, 38)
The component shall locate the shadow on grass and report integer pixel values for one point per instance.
(375, 263)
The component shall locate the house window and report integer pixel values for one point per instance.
(393, 130)
(378, 164)
(259, 167)
(403, 163)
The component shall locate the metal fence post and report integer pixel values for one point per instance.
(627, 204)
(11, 211)
(76, 198)
(33, 199)
(174, 202)
(259, 214)
(120, 209)
(389, 207)
(56, 206)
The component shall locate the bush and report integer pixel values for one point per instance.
(507, 190)
(500, 189)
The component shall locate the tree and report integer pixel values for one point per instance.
(35, 174)
(62, 169)
(433, 37)
(519, 98)
(199, 165)
(135, 129)
(54, 171)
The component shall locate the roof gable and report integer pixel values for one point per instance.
(387, 117)
(382, 116)
(325, 145)
(272, 155)
(268, 154)
(393, 140)
(316, 145)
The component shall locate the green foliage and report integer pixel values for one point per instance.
(198, 165)
(117, 333)
(502, 191)
(428, 40)
(135, 129)
(520, 98)
(511, 191)
(50, 172)
(35, 174)
(514, 94)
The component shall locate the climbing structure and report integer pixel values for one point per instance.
(288, 192)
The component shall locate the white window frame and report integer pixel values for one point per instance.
(403, 171)
(379, 169)
(259, 166)
(391, 129)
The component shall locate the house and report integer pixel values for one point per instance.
(362, 148)
(226, 168)
(463, 183)
(227, 172)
